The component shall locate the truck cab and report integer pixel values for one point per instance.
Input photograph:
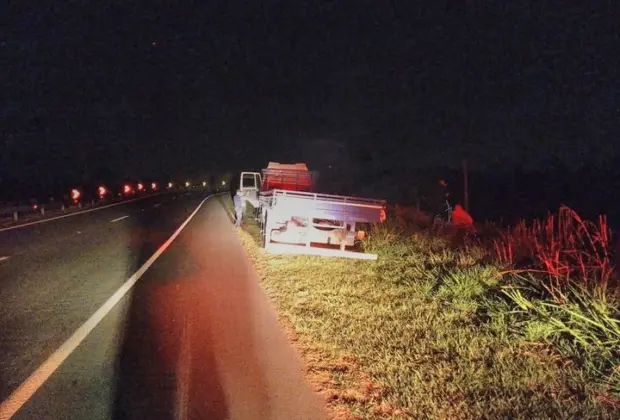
(250, 186)
(277, 176)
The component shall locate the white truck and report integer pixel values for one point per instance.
(294, 219)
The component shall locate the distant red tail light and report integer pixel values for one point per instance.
(140, 187)
(127, 189)
(153, 186)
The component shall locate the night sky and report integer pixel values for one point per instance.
(107, 90)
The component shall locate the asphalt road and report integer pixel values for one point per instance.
(194, 338)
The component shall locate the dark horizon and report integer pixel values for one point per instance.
(101, 93)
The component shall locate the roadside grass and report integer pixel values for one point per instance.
(431, 332)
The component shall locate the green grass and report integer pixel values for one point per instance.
(428, 332)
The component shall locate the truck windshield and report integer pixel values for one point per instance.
(248, 181)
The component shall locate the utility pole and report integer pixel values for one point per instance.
(465, 186)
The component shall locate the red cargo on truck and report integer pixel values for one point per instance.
(290, 177)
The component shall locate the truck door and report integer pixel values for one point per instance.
(250, 186)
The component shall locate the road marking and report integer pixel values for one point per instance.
(157, 205)
(4, 258)
(118, 219)
(72, 214)
(26, 390)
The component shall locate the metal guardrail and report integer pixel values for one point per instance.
(8, 211)
(17, 214)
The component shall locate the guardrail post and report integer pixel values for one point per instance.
(15, 216)
(42, 211)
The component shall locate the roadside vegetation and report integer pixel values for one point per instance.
(518, 323)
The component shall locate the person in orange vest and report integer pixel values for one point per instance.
(461, 219)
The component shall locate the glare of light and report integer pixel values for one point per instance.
(153, 185)
(140, 187)
(102, 191)
(127, 189)
(187, 183)
(223, 182)
(34, 206)
(170, 185)
(204, 183)
(75, 194)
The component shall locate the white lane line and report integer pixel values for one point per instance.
(26, 390)
(4, 257)
(118, 219)
(73, 214)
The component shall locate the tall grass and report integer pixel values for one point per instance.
(565, 248)
(430, 331)
(561, 285)
(585, 327)
(566, 292)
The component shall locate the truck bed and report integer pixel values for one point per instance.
(324, 206)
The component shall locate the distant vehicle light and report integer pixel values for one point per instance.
(204, 183)
(170, 185)
(102, 191)
(140, 187)
(223, 182)
(34, 206)
(153, 185)
(187, 184)
(127, 189)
